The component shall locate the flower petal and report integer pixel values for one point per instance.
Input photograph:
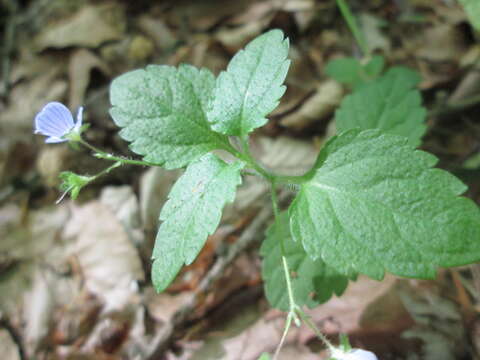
(54, 139)
(54, 120)
(79, 118)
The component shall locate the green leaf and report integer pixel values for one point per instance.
(351, 72)
(374, 204)
(252, 85)
(375, 66)
(162, 111)
(472, 8)
(264, 356)
(192, 213)
(389, 103)
(345, 70)
(314, 281)
(410, 78)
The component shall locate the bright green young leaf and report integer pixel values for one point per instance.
(314, 281)
(389, 103)
(351, 72)
(162, 111)
(264, 356)
(410, 78)
(472, 8)
(192, 213)
(375, 66)
(345, 70)
(252, 85)
(374, 204)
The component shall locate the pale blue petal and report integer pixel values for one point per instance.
(54, 139)
(54, 120)
(79, 118)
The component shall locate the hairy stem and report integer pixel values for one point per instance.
(106, 156)
(288, 323)
(306, 319)
(352, 24)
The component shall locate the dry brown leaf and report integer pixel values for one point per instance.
(28, 98)
(109, 262)
(155, 185)
(8, 347)
(375, 36)
(203, 15)
(243, 337)
(50, 162)
(91, 26)
(236, 38)
(82, 62)
(304, 11)
(284, 155)
(140, 49)
(440, 43)
(162, 307)
(344, 314)
(158, 31)
(317, 107)
(122, 201)
(38, 308)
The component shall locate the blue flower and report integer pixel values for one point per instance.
(56, 121)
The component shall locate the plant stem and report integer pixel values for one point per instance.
(288, 323)
(247, 157)
(352, 24)
(107, 170)
(106, 156)
(306, 319)
(291, 299)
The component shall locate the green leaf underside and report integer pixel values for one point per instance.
(351, 72)
(192, 212)
(313, 283)
(251, 86)
(472, 8)
(162, 111)
(389, 103)
(375, 204)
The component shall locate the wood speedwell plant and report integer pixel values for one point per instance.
(370, 204)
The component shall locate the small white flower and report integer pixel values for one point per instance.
(353, 354)
(56, 121)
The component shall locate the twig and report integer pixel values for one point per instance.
(164, 339)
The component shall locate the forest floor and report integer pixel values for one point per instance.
(74, 276)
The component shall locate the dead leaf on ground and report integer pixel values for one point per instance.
(438, 322)
(8, 346)
(108, 260)
(373, 29)
(155, 185)
(122, 201)
(20, 113)
(344, 314)
(157, 30)
(38, 305)
(317, 107)
(440, 43)
(90, 27)
(82, 62)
